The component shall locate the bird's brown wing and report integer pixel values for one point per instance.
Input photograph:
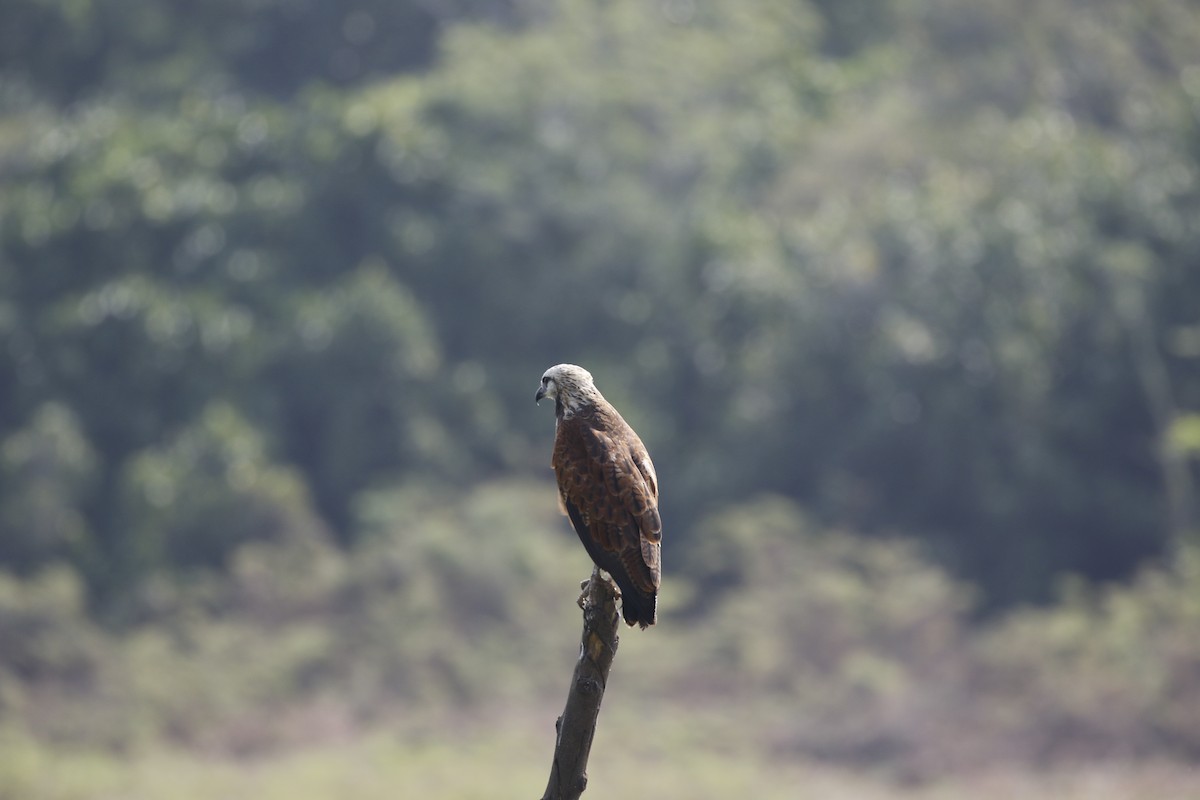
(608, 488)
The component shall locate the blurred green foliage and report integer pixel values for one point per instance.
(923, 268)
(920, 267)
(417, 617)
(819, 645)
(1124, 650)
(277, 280)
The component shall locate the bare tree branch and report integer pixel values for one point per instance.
(577, 725)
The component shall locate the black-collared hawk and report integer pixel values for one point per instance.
(607, 486)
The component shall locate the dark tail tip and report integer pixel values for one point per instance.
(639, 609)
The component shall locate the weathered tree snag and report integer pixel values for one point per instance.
(577, 725)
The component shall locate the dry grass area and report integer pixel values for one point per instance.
(465, 761)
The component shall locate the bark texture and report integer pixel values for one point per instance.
(577, 724)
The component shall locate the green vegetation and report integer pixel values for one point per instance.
(922, 267)
(454, 614)
(902, 295)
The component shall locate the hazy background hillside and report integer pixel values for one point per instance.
(903, 296)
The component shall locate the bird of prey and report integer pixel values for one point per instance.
(607, 486)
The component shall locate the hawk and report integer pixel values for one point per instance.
(607, 486)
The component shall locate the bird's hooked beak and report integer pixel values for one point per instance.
(547, 389)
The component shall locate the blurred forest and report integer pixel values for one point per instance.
(902, 295)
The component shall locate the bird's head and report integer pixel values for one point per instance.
(569, 386)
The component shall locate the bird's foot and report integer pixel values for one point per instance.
(586, 587)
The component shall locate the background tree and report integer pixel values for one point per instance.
(924, 268)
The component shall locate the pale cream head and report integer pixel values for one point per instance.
(568, 385)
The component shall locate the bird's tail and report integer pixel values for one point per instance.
(638, 608)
